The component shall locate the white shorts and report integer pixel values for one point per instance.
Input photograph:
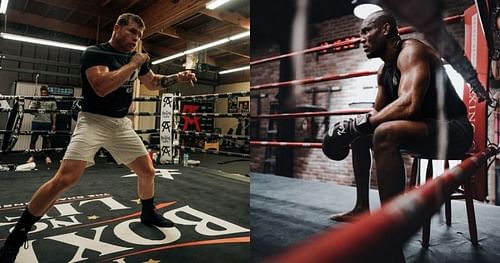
(116, 135)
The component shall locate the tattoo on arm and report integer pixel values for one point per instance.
(169, 80)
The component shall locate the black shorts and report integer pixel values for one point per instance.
(459, 135)
(40, 126)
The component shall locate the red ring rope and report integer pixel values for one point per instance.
(286, 144)
(313, 80)
(402, 31)
(373, 235)
(312, 114)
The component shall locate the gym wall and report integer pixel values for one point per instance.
(221, 105)
(312, 163)
(28, 89)
(23, 61)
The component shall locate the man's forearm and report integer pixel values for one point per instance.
(162, 81)
(400, 109)
(54, 116)
(113, 80)
(165, 81)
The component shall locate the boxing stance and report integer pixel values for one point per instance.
(108, 73)
(405, 114)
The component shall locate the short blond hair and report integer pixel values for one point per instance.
(124, 19)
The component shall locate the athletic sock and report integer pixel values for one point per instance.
(150, 217)
(23, 226)
(26, 221)
(148, 205)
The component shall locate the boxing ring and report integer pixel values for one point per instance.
(287, 212)
(97, 220)
(172, 130)
(290, 216)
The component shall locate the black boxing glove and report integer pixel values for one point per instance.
(350, 129)
(361, 125)
(336, 142)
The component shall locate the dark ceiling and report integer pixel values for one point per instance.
(171, 25)
(272, 20)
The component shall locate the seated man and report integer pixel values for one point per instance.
(405, 114)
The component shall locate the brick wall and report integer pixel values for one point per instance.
(262, 74)
(312, 163)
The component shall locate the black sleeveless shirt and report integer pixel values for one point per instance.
(115, 104)
(454, 107)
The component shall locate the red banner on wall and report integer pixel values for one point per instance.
(476, 51)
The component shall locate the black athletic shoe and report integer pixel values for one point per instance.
(154, 219)
(10, 248)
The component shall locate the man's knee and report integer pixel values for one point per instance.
(385, 134)
(67, 176)
(147, 175)
(64, 180)
(146, 172)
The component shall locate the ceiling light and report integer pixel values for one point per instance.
(240, 35)
(364, 10)
(207, 46)
(203, 47)
(234, 70)
(215, 3)
(42, 41)
(168, 58)
(3, 6)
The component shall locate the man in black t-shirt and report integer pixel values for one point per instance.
(108, 72)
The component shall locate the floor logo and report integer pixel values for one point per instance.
(70, 228)
(161, 173)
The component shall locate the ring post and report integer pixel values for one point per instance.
(166, 121)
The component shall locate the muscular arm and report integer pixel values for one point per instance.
(381, 99)
(154, 81)
(415, 73)
(104, 81)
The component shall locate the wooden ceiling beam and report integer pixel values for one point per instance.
(85, 7)
(230, 50)
(162, 51)
(201, 39)
(205, 38)
(72, 29)
(87, 20)
(229, 17)
(130, 4)
(231, 62)
(170, 32)
(68, 15)
(236, 53)
(48, 10)
(55, 25)
(164, 14)
(105, 2)
(105, 24)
